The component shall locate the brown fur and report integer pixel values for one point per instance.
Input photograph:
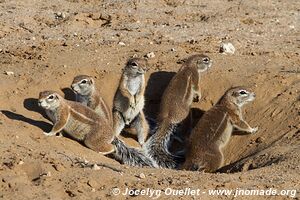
(91, 96)
(182, 90)
(129, 99)
(78, 121)
(213, 131)
(174, 109)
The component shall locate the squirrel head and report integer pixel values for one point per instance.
(83, 85)
(136, 67)
(200, 61)
(239, 96)
(49, 100)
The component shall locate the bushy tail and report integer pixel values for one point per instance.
(130, 156)
(157, 147)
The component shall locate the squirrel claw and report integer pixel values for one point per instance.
(49, 134)
(254, 130)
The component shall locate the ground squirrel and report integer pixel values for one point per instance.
(87, 94)
(78, 121)
(129, 99)
(213, 131)
(175, 107)
(183, 89)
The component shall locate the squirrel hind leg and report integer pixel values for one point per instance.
(96, 143)
(119, 123)
(141, 126)
(213, 160)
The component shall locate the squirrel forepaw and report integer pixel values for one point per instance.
(254, 130)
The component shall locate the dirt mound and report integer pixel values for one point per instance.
(46, 45)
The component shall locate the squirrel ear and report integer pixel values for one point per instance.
(92, 81)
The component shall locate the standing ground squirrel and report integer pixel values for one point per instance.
(175, 107)
(213, 131)
(183, 88)
(78, 121)
(129, 100)
(87, 94)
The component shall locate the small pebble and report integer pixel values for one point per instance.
(227, 48)
(142, 176)
(9, 73)
(60, 15)
(95, 167)
(150, 55)
(121, 43)
(85, 161)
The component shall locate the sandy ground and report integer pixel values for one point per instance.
(46, 43)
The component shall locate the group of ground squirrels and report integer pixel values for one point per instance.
(90, 121)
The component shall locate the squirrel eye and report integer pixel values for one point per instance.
(206, 59)
(84, 81)
(243, 92)
(134, 64)
(51, 97)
